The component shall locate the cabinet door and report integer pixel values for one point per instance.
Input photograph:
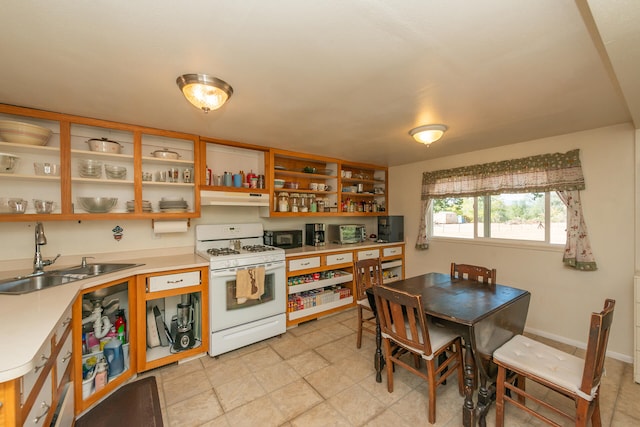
(90, 338)
(173, 320)
(41, 410)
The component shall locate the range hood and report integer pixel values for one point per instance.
(232, 198)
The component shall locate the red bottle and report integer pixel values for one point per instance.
(121, 326)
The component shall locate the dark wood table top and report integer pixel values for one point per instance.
(460, 301)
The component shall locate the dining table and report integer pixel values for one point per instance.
(484, 315)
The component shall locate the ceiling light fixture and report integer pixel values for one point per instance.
(428, 133)
(204, 92)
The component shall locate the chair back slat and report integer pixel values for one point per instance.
(368, 273)
(399, 310)
(473, 272)
(597, 346)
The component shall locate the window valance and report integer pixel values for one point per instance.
(534, 174)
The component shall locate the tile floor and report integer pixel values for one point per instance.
(314, 376)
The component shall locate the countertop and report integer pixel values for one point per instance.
(30, 319)
(335, 247)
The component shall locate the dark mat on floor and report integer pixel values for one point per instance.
(134, 404)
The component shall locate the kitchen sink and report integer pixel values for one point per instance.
(25, 284)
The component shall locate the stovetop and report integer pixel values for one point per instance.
(234, 245)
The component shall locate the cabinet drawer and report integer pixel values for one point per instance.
(63, 325)
(63, 359)
(340, 258)
(30, 378)
(387, 252)
(41, 407)
(368, 254)
(304, 263)
(173, 281)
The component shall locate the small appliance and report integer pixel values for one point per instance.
(347, 233)
(391, 228)
(184, 338)
(285, 239)
(314, 234)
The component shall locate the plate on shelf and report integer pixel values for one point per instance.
(279, 168)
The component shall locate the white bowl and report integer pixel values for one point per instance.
(104, 145)
(8, 163)
(24, 133)
(278, 183)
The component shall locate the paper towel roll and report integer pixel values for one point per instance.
(178, 226)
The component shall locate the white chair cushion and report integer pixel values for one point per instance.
(364, 302)
(546, 362)
(438, 336)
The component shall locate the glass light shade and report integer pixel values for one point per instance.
(204, 92)
(428, 133)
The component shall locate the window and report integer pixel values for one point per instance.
(540, 217)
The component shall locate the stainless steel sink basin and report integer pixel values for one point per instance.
(48, 279)
(95, 269)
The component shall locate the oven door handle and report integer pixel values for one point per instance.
(268, 268)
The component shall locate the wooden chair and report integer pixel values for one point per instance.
(473, 272)
(368, 273)
(522, 358)
(403, 323)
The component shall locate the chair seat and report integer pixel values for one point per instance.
(548, 363)
(438, 336)
(364, 303)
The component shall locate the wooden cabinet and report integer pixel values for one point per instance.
(313, 178)
(32, 399)
(363, 189)
(68, 151)
(88, 350)
(160, 294)
(318, 285)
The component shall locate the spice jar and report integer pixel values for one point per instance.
(283, 202)
(294, 202)
(313, 207)
(320, 203)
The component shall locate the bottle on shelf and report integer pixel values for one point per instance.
(121, 326)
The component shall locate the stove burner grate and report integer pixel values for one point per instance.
(257, 248)
(222, 251)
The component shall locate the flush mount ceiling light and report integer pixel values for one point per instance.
(204, 92)
(428, 133)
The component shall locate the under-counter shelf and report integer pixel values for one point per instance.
(344, 277)
(294, 315)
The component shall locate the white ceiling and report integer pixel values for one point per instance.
(338, 78)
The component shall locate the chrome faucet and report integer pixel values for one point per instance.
(38, 262)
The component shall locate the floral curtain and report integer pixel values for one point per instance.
(561, 172)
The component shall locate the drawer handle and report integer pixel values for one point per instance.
(66, 321)
(305, 263)
(175, 281)
(44, 359)
(46, 408)
(339, 259)
(67, 356)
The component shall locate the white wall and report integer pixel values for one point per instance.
(562, 298)
(75, 239)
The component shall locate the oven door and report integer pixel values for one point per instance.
(227, 311)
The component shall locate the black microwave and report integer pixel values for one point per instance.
(285, 239)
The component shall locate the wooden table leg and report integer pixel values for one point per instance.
(468, 414)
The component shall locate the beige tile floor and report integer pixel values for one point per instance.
(314, 376)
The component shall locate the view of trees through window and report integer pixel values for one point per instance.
(527, 216)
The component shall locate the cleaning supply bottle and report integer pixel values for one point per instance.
(101, 375)
(121, 326)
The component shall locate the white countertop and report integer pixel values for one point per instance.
(334, 247)
(29, 319)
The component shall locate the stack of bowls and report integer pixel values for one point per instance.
(18, 206)
(115, 172)
(97, 204)
(5, 206)
(44, 206)
(90, 168)
(146, 206)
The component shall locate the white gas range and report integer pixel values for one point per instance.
(247, 285)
